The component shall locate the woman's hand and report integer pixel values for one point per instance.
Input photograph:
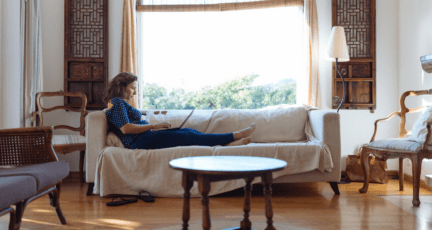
(162, 125)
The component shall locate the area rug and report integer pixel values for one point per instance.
(217, 225)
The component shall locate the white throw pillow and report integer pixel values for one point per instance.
(114, 140)
(419, 131)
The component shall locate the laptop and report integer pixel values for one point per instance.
(178, 128)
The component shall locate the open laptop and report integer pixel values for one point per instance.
(181, 126)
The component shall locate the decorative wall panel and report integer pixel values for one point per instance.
(86, 50)
(358, 19)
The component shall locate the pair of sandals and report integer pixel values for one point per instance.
(148, 198)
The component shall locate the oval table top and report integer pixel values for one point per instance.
(227, 164)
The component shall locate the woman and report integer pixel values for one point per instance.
(135, 133)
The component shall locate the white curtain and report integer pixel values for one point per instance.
(31, 58)
(312, 52)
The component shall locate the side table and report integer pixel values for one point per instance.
(206, 169)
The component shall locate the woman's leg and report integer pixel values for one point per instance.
(245, 132)
(183, 137)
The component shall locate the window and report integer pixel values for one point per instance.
(212, 60)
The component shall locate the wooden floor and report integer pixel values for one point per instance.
(295, 206)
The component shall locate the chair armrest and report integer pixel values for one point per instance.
(96, 132)
(382, 120)
(326, 127)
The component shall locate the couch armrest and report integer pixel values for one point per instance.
(96, 133)
(326, 127)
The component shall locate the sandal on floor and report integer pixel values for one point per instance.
(148, 198)
(121, 201)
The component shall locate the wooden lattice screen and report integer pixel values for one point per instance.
(358, 18)
(86, 50)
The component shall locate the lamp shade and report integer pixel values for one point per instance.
(337, 46)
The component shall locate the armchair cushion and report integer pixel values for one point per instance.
(419, 131)
(397, 144)
(68, 139)
(46, 174)
(14, 189)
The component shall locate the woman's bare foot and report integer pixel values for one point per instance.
(245, 132)
(242, 141)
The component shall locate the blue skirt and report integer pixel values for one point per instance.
(182, 137)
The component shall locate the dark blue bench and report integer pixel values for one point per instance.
(28, 171)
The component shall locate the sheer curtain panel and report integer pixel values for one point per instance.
(128, 51)
(31, 75)
(312, 52)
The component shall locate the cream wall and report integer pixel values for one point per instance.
(9, 63)
(415, 40)
(356, 125)
(52, 19)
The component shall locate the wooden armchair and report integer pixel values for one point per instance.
(29, 169)
(399, 148)
(64, 144)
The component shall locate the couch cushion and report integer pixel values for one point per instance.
(282, 123)
(300, 156)
(114, 140)
(46, 174)
(199, 120)
(126, 171)
(16, 188)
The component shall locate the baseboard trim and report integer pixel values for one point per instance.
(74, 175)
(391, 173)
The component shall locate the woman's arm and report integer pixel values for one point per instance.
(136, 129)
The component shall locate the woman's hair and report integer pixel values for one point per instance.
(118, 84)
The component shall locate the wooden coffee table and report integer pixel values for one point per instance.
(206, 169)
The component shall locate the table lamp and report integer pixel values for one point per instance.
(337, 51)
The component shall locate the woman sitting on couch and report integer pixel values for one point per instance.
(135, 133)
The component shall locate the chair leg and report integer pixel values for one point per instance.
(401, 174)
(54, 197)
(90, 189)
(81, 166)
(416, 170)
(365, 166)
(20, 206)
(12, 219)
(334, 186)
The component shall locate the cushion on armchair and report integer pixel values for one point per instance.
(397, 144)
(419, 131)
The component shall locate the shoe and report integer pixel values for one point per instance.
(121, 201)
(148, 198)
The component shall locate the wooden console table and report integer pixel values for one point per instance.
(206, 169)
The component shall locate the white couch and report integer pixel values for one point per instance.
(309, 140)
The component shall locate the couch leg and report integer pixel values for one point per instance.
(334, 186)
(90, 189)
(55, 202)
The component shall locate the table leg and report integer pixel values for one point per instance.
(245, 223)
(187, 185)
(204, 188)
(267, 180)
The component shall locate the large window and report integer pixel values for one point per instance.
(211, 60)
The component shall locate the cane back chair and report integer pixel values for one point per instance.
(21, 147)
(64, 144)
(399, 148)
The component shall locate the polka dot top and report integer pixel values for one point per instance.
(122, 113)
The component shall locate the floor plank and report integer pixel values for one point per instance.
(295, 206)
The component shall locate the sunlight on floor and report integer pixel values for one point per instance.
(42, 210)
